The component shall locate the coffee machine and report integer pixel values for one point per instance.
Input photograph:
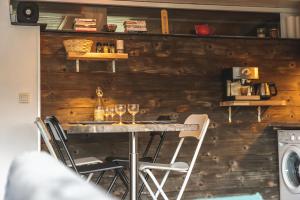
(238, 82)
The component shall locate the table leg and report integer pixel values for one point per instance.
(133, 156)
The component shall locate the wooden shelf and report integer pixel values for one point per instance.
(165, 35)
(97, 56)
(254, 103)
(257, 104)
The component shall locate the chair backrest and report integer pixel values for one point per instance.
(201, 120)
(153, 135)
(60, 139)
(46, 136)
(53, 121)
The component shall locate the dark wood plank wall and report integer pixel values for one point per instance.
(180, 76)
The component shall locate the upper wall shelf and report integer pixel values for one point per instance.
(257, 104)
(97, 56)
(163, 35)
(254, 103)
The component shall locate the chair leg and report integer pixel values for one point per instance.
(125, 194)
(99, 177)
(184, 184)
(157, 184)
(123, 177)
(162, 183)
(142, 187)
(147, 186)
(125, 181)
(112, 183)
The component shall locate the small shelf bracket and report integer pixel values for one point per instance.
(77, 65)
(113, 63)
(230, 114)
(259, 113)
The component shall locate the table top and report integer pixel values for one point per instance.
(126, 128)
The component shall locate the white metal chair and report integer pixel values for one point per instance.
(181, 167)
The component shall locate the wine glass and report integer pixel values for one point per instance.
(120, 109)
(106, 113)
(133, 109)
(112, 112)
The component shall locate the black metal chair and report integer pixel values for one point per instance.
(83, 166)
(123, 161)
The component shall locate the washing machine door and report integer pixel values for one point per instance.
(290, 168)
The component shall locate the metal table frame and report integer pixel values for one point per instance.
(133, 140)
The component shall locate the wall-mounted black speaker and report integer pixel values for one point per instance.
(27, 12)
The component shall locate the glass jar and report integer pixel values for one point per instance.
(274, 33)
(261, 32)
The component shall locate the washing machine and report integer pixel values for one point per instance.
(289, 161)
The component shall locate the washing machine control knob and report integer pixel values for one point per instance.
(293, 137)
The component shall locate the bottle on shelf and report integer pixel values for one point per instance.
(112, 48)
(99, 47)
(99, 110)
(105, 48)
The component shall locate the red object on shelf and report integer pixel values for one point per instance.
(204, 30)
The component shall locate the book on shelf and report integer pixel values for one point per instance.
(87, 29)
(80, 20)
(135, 22)
(85, 24)
(135, 30)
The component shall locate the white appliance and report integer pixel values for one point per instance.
(289, 161)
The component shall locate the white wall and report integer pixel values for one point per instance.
(19, 69)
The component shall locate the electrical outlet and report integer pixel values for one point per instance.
(24, 97)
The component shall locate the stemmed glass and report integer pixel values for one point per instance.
(120, 109)
(133, 109)
(112, 112)
(106, 113)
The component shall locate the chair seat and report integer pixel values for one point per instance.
(177, 166)
(85, 161)
(125, 161)
(98, 167)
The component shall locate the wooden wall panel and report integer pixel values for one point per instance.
(180, 76)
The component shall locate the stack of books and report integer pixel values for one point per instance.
(135, 26)
(89, 25)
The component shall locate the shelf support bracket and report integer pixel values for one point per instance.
(113, 62)
(229, 114)
(77, 65)
(259, 113)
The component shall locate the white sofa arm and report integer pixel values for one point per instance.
(38, 176)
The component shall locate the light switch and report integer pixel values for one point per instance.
(24, 97)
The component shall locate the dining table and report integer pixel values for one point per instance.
(133, 130)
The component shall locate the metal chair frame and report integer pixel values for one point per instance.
(60, 138)
(203, 122)
(145, 155)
